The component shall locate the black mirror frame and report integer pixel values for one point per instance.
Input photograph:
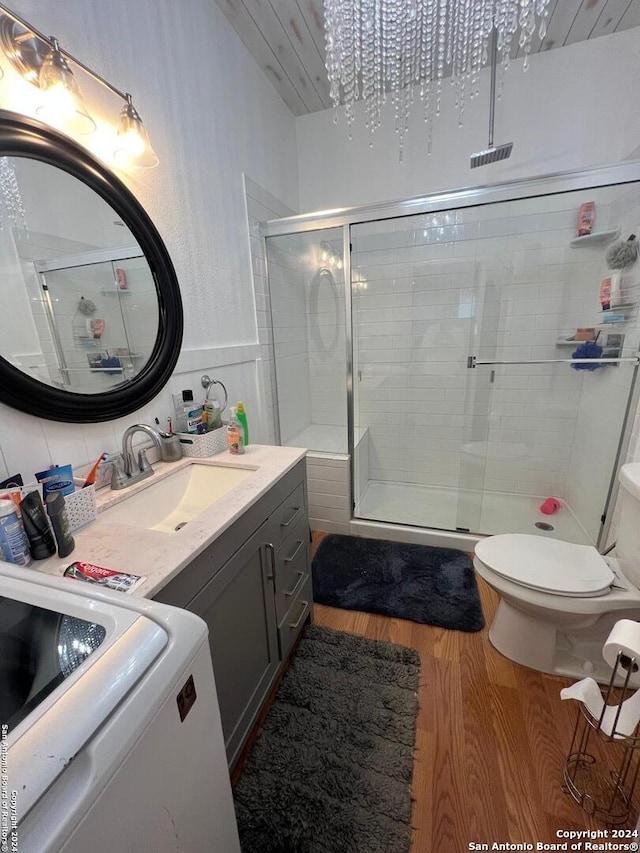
(21, 136)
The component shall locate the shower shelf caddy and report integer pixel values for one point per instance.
(605, 795)
(594, 239)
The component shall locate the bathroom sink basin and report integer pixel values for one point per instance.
(168, 504)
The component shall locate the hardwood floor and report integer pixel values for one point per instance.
(491, 737)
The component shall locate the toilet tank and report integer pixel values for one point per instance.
(628, 542)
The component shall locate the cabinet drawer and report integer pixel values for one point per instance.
(291, 567)
(296, 617)
(287, 515)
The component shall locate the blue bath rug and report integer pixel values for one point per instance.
(434, 586)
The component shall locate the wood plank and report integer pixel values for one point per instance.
(611, 17)
(491, 737)
(295, 27)
(262, 13)
(258, 47)
(585, 20)
(631, 17)
(561, 22)
(313, 13)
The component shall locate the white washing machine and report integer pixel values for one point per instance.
(111, 736)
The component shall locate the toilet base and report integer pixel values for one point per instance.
(540, 645)
(523, 638)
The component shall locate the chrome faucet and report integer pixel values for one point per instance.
(129, 471)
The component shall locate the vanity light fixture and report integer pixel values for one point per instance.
(62, 101)
(40, 60)
(133, 147)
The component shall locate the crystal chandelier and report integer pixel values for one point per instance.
(395, 48)
(10, 193)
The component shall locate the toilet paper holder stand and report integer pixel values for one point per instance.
(606, 794)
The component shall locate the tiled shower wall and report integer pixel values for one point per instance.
(326, 336)
(499, 282)
(307, 302)
(605, 392)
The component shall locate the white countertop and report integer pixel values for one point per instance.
(161, 556)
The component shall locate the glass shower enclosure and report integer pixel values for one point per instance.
(469, 367)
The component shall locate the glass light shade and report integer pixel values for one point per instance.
(62, 105)
(133, 147)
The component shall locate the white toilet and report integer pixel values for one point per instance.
(559, 601)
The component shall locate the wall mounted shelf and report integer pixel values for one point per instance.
(563, 342)
(594, 239)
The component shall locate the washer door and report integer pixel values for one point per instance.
(39, 648)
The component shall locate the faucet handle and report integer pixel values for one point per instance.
(143, 462)
(118, 474)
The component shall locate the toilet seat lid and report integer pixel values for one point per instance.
(548, 565)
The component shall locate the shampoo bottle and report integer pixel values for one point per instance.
(242, 418)
(41, 540)
(60, 523)
(235, 438)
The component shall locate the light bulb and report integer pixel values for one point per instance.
(62, 103)
(133, 147)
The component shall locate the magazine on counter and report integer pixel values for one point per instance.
(121, 581)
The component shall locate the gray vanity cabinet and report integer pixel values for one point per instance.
(252, 586)
(237, 605)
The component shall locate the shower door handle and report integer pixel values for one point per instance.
(473, 362)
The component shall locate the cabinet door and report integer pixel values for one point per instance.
(238, 606)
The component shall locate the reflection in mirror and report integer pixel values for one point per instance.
(80, 301)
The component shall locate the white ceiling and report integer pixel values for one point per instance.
(286, 38)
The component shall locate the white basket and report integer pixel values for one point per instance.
(207, 444)
(81, 507)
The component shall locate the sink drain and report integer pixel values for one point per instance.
(541, 525)
(182, 524)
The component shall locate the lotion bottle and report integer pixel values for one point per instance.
(235, 438)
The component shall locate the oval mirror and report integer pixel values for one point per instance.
(91, 324)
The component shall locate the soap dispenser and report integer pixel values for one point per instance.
(235, 438)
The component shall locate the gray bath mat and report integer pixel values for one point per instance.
(435, 586)
(331, 769)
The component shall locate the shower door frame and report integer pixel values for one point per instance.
(484, 194)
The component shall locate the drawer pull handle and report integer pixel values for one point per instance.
(298, 583)
(305, 605)
(296, 510)
(295, 553)
(272, 575)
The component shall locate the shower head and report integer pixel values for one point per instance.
(491, 155)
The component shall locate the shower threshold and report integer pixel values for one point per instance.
(443, 508)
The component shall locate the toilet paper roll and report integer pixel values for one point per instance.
(625, 636)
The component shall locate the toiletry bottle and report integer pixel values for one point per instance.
(182, 404)
(605, 294)
(42, 543)
(234, 433)
(242, 418)
(60, 522)
(14, 547)
(213, 414)
(586, 218)
(616, 289)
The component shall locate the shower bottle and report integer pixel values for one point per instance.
(241, 415)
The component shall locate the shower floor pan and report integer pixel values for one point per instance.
(439, 507)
